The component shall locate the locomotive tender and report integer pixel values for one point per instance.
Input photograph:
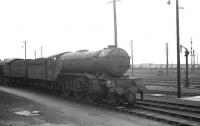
(95, 75)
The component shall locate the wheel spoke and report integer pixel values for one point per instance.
(79, 85)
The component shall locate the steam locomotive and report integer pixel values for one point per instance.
(97, 75)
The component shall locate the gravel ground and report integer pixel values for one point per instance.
(56, 111)
(10, 103)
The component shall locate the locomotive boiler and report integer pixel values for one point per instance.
(110, 62)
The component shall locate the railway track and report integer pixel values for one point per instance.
(170, 84)
(173, 93)
(160, 111)
(193, 108)
(188, 114)
(164, 112)
(169, 113)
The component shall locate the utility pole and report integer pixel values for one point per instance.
(178, 50)
(132, 55)
(35, 54)
(115, 22)
(41, 51)
(191, 53)
(197, 60)
(25, 42)
(167, 64)
(194, 58)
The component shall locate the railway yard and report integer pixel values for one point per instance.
(159, 107)
(80, 77)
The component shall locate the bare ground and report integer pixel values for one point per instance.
(56, 111)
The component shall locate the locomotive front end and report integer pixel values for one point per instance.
(122, 90)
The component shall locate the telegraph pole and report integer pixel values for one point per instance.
(167, 64)
(41, 51)
(132, 55)
(25, 42)
(178, 50)
(35, 54)
(194, 58)
(191, 53)
(197, 60)
(115, 22)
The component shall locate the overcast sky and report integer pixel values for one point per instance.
(70, 25)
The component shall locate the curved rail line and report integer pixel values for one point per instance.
(160, 115)
(164, 112)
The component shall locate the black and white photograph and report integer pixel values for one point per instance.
(99, 63)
